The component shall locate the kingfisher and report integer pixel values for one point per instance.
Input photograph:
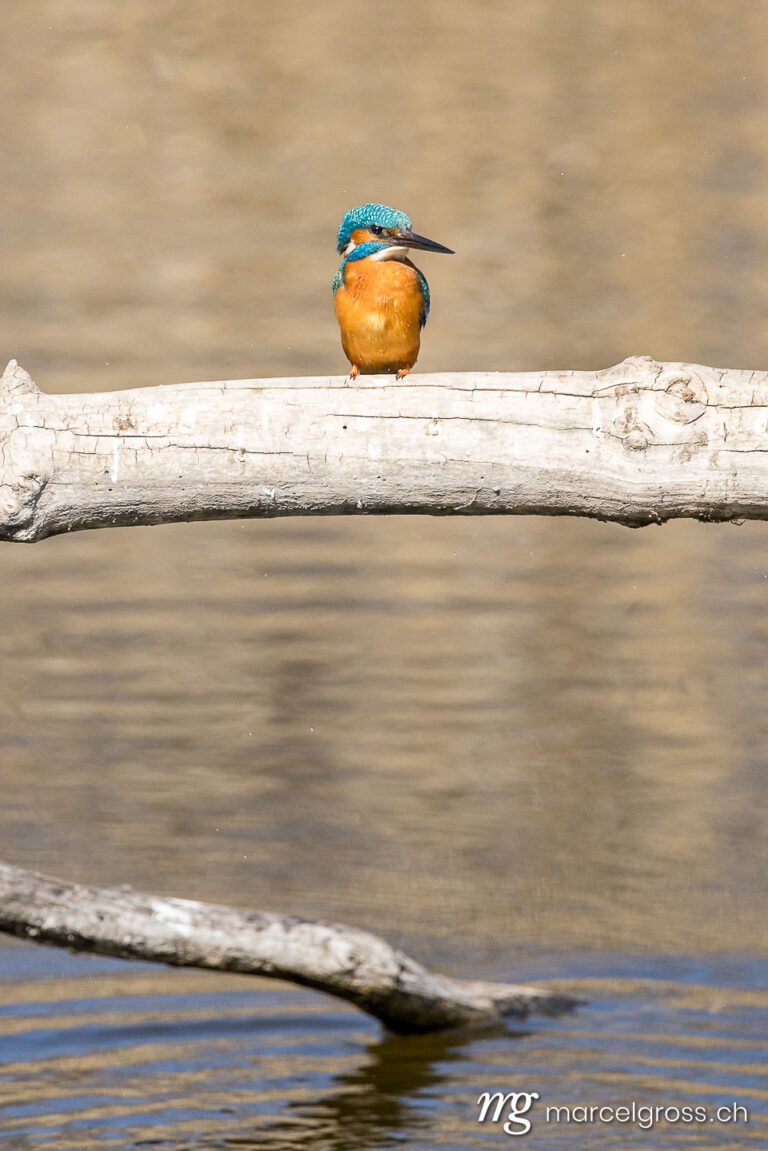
(381, 298)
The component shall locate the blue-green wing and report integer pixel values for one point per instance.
(424, 313)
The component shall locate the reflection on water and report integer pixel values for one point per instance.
(181, 1060)
(492, 741)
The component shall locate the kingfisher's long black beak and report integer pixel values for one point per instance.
(411, 240)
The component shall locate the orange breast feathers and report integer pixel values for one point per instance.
(379, 306)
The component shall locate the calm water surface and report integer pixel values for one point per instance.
(521, 749)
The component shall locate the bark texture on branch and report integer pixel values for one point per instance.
(342, 961)
(638, 443)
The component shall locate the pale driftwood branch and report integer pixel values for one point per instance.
(342, 961)
(639, 443)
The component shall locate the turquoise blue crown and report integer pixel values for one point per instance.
(367, 214)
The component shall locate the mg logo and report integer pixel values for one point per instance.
(516, 1105)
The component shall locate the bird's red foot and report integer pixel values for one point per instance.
(354, 372)
(403, 372)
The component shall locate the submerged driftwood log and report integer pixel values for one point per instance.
(638, 443)
(342, 961)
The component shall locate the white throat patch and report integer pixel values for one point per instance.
(391, 253)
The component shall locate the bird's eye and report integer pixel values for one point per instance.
(377, 230)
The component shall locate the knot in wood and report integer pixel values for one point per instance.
(124, 422)
(684, 396)
(634, 434)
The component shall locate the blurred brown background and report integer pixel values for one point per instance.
(474, 736)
